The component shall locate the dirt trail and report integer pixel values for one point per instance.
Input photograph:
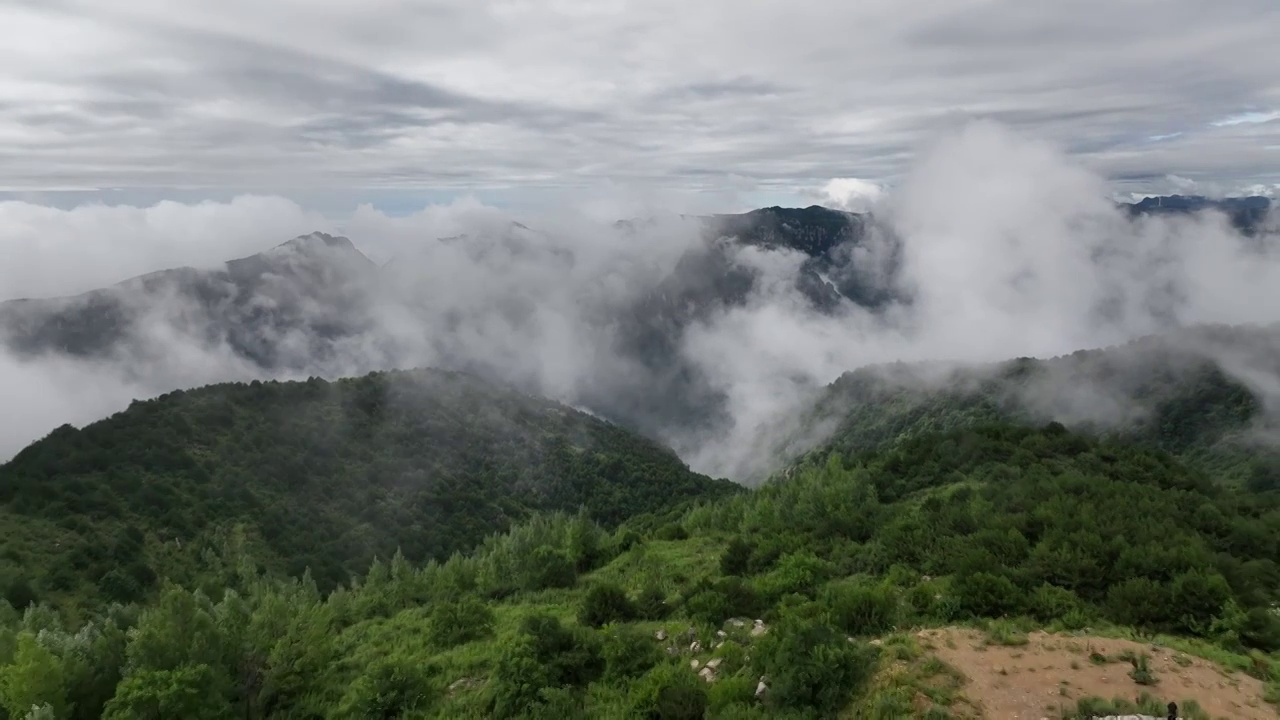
(1052, 672)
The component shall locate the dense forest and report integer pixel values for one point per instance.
(793, 601)
(1167, 391)
(314, 476)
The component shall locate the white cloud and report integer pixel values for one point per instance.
(1009, 247)
(495, 93)
(851, 194)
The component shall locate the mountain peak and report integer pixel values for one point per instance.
(318, 239)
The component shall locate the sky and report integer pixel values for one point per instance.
(405, 103)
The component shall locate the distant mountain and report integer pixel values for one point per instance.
(316, 305)
(1245, 213)
(1207, 394)
(320, 475)
(280, 309)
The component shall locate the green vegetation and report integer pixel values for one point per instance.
(1163, 391)
(1004, 526)
(312, 475)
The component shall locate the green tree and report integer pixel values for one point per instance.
(188, 691)
(670, 692)
(455, 622)
(811, 665)
(35, 677)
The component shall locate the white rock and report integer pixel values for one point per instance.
(714, 663)
(661, 635)
(695, 647)
(761, 689)
(693, 664)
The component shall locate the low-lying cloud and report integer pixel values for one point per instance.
(994, 246)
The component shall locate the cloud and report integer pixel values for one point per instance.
(494, 94)
(997, 245)
(851, 194)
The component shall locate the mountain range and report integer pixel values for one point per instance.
(448, 543)
(317, 305)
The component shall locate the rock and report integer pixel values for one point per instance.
(673, 650)
(738, 622)
(695, 646)
(761, 690)
(759, 622)
(721, 634)
(759, 630)
(708, 674)
(660, 635)
(693, 664)
(877, 642)
(714, 663)
(460, 684)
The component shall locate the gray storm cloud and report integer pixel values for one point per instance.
(1006, 247)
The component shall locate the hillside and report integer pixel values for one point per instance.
(799, 600)
(1206, 394)
(608, 322)
(318, 475)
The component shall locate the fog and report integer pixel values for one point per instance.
(994, 245)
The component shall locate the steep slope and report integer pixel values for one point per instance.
(324, 475)
(1205, 393)
(280, 309)
(791, 601)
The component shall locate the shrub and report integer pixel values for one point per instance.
(543, 654)
(605, 603)
(812, 665)
(713, 603)
(861, 609)
(670, 692)
(736, 559)
(548, 568)
(1050, 603)
(982, 594)
(457, 622)
(800, 572)
(389, 688)
(628, 652)
(739, 689)
(651, 604)
(672, 531)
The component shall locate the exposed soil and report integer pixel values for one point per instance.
(1051, 672)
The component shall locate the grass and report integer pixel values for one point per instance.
(1005, 632)
(907, 673)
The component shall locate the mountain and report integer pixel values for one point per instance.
(317, 474)
(1246, 214)
(279, 309)
(1208, 394)
(903, 582)
(509, 303)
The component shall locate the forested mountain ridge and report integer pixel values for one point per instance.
(1003, 527)
(1203, 393)
(319, 475)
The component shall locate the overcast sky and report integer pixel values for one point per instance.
(397, 101)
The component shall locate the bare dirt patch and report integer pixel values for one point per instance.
(1051, 672)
